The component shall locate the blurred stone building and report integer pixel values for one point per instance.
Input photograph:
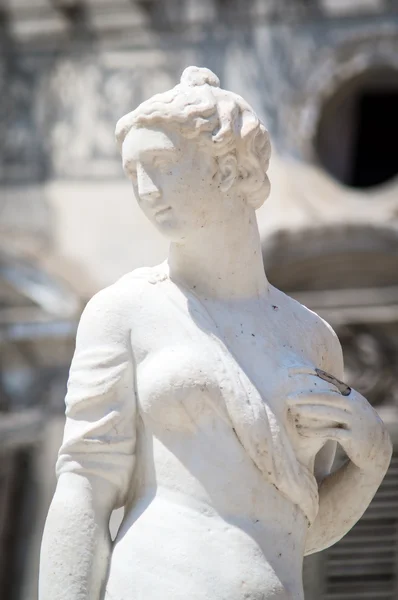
(323, 75)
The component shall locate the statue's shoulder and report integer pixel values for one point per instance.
(139, 282)
(310, 321)
(139, 278)
(321, 338)
(128, 293)
(149, 275)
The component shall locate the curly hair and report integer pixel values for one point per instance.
(223, 122)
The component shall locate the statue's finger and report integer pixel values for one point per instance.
(336, 434)
(326, 398)
(322, 413)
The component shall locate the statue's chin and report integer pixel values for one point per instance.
(169, 228)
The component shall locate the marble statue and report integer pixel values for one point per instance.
(201, 399)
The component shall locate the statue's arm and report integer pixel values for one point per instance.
(96, 458)
(345, 494)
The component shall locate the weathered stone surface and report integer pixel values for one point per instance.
(197, 396)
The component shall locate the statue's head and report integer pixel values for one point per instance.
(186, 148)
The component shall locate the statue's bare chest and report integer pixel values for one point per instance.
(198, 351)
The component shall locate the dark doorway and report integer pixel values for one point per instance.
(358, 129)
(375, 156)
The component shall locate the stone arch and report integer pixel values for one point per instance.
(358, 53)
(355, 136)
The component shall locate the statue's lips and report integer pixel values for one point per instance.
(162, 211)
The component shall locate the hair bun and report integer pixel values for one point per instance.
(196, 76)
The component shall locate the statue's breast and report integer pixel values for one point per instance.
(179, 385)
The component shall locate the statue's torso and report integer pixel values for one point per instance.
(201, 514)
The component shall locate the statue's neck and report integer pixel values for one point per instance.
(223, 262)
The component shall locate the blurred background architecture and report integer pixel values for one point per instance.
(323, 76)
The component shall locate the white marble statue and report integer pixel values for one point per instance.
(199, 396)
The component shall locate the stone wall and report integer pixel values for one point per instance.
(60, 104)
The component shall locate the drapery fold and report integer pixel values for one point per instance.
(99, 437)
(260, 431)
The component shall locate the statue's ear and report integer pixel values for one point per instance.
(227, 171)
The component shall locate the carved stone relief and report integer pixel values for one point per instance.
(21, 147)
(83, 97)
(371, 361)
(67, 102)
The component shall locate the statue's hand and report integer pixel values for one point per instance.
(349, 420)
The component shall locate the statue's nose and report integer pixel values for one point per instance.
(147, 188)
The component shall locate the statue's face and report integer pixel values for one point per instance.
(172, 179)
